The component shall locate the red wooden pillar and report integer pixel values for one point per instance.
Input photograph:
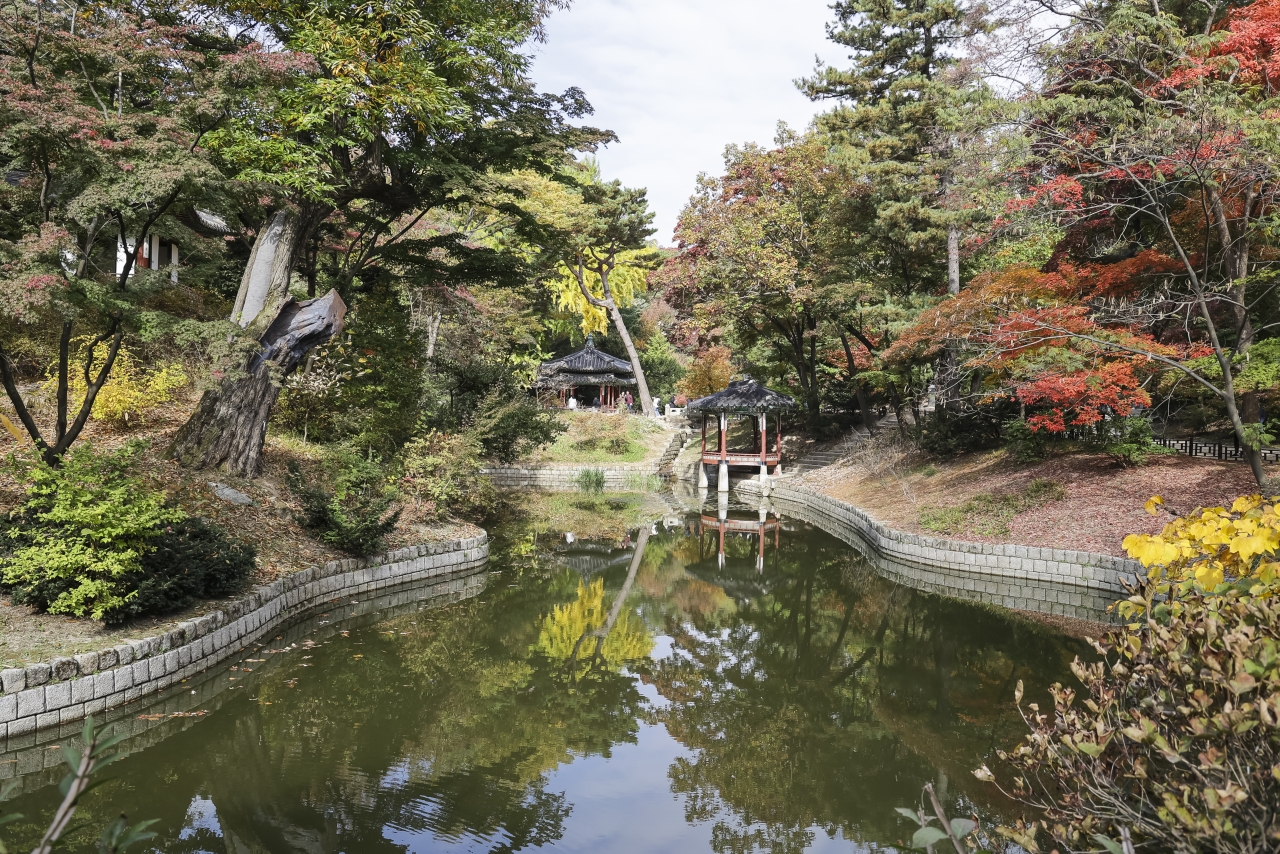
(777, 445)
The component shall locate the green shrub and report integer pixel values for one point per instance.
(189, 560)
(1026, 445)
(1131, 441)
(79, 537)
(946, 434)
(510, 426)
(441, 473)
(353, 511)
(591, 480)
(1174, 741)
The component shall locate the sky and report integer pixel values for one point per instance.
(678, 80)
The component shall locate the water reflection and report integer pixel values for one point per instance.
(786, 703)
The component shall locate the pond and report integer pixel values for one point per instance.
(638, 683)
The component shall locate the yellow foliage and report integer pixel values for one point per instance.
(1213, 544)
(625, 283)
(566, 630)
(130, 390)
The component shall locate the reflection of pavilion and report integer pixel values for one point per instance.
(723, 525)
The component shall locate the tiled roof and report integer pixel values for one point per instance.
(745, 395)
(586, 360)
(573, 380)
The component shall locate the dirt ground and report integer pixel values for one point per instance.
(269, 524)
(1101, 503)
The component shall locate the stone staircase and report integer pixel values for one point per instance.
(821, 457)
(666, 463)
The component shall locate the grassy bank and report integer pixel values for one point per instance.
(594, 437)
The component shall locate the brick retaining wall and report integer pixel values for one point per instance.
(1054, 581)
(48, 694)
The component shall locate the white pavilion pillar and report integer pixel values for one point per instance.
(722, 481)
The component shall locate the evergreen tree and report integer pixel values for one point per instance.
(893, 128)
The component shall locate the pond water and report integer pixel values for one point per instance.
(602, 689)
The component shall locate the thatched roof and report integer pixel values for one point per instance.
(745, 395)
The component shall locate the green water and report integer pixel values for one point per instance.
(585, 700)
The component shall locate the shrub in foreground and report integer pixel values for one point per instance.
(91, 540)
(442, 477)
(189, 560)
(1175, 742)
(353, 511)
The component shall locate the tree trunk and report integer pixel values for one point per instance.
(949, 363)
(264, 287)
(229, 426)
(646, 402)
(608, 303)
(868, 419)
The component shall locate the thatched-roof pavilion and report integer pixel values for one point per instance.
(586, 368)
(742, 397)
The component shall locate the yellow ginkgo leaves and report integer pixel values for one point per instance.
(569, 632)
(1214, 544)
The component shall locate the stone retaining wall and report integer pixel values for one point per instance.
(558, 477)
(27, 762)
(45, 695)
(1054, 581)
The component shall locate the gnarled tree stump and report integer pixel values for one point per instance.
(229, 426)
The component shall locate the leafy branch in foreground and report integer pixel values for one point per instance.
(94, 754)
(1174, 743)
(961, 832)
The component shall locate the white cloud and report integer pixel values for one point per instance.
(677, 80)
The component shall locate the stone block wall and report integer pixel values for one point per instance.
(557, 477)
(48, 694)
(27, 763)
(1054, 581)
(560, 477)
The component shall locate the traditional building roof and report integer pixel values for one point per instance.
(559, 381)
(586, 367)
(587, 360)
(744, 395)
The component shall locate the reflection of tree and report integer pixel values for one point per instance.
(832, 697)
(586, 638)
(819, 700)
(449, 730)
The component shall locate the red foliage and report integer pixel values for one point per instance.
(1078, 398)
(1250, 49)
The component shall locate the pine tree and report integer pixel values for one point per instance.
(892, 127)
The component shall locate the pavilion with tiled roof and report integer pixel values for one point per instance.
(752, 399)
(586, 368)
